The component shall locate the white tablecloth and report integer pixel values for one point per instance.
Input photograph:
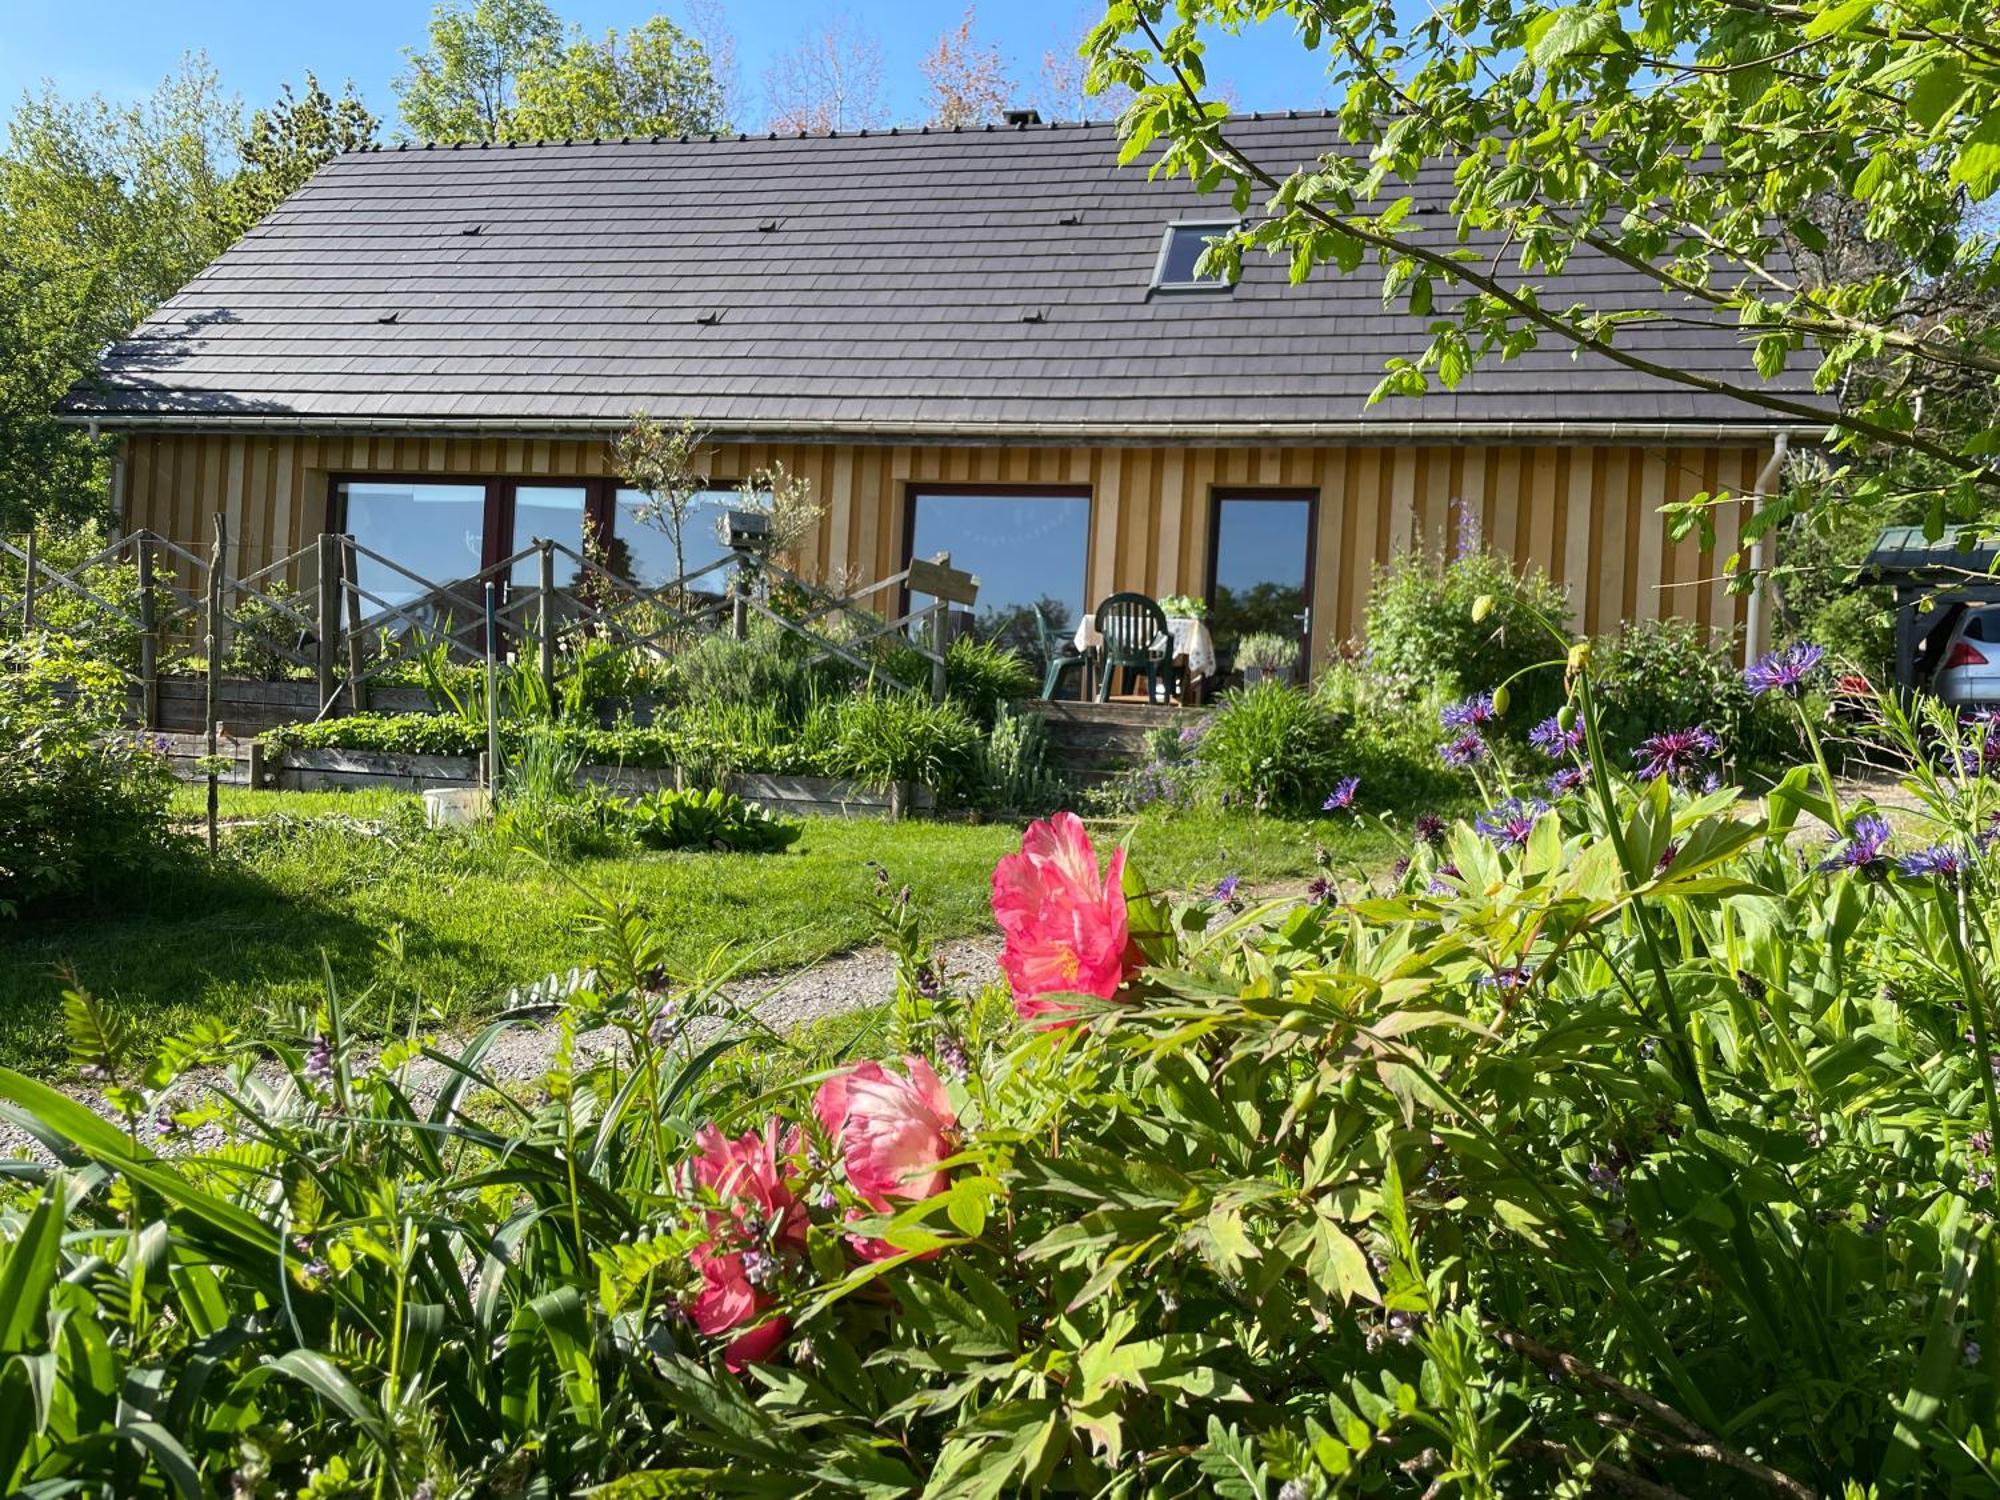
(1191, 640)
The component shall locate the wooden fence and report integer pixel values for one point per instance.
(339, 616)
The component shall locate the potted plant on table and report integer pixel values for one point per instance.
(1184, 607)
(1265, 655)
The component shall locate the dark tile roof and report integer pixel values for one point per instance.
(877, 282)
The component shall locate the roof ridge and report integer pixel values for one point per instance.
(870, 132)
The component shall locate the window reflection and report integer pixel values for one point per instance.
(643, 551)
(1026, 550)
(436, 531)
(555, 512)
(1261, 548)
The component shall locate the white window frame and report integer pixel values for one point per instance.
(1215, 284)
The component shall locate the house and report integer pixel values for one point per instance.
(991, 342)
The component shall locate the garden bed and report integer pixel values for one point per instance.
(295, 769)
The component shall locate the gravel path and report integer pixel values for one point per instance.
(844, 982)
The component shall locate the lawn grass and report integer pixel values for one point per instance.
(452, 923)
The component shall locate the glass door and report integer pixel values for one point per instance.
(1260, 579)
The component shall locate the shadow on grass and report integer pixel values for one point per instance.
(191, 938)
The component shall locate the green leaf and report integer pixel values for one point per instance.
(1977, 165)
(1565, 33)
(1940, 1360)
(1838, 18)
(1230, 1462)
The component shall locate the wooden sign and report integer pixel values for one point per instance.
(941, 581)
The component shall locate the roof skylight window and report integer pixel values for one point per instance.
(1181, 249)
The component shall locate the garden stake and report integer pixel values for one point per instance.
(492, 702)
(215, 565)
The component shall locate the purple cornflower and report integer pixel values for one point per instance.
(1982, 759)
(1342, 795)
(319, 1059)
(1507, 980)
(1440, 882)
(1469, 713)
(1787, 671)
(1569, 779)
(1667, 857)
(1429, 829)
(1553, 740)
(1865, 849)
(1321, 891)
(1940, 861)
(1467, 750)
(1225, 888)
(1675, 753)
(1512, 822)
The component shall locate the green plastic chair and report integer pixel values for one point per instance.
(1134, 629)
(1060, 654)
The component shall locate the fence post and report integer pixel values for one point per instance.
(357, 688)
(149, 636)
(326, 653)
(545, 617)
(739, 602)
(28, 587)
(214, 695)
(939, 611)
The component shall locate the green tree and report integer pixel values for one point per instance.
(502, 70)
(466, 86)
(285, 144)
(652, 80)
(1690, 141)
(105, 210)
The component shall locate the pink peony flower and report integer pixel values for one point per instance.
(892, 1131)
(757, 1217)
(1064, 923)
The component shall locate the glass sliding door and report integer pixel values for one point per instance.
(1260, 580)
(1027, 549)
(555, 511)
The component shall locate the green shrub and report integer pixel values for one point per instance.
(1274, 747)
(83, 807)
(261, 634)
(1420, 630)
(1664, 674)
(389, 734)
(1392, 740)
(709, 820)
(986, 676)
(719, 672)
(887, 737)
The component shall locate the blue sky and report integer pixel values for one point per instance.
(121, 48)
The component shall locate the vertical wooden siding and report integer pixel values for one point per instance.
(1588, 516)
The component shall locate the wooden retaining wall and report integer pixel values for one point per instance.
(246, 708)
(323, 770)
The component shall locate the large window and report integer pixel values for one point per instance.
(554, 511)
(1027, 549)
(1262, 561)
(436, 531)
(448, 533)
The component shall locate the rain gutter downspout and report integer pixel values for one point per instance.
(1756, 621)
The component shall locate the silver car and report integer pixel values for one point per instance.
(1968, 673)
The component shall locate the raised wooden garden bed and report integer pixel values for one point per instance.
(351, 770)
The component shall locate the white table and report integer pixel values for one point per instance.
(1191, 641)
